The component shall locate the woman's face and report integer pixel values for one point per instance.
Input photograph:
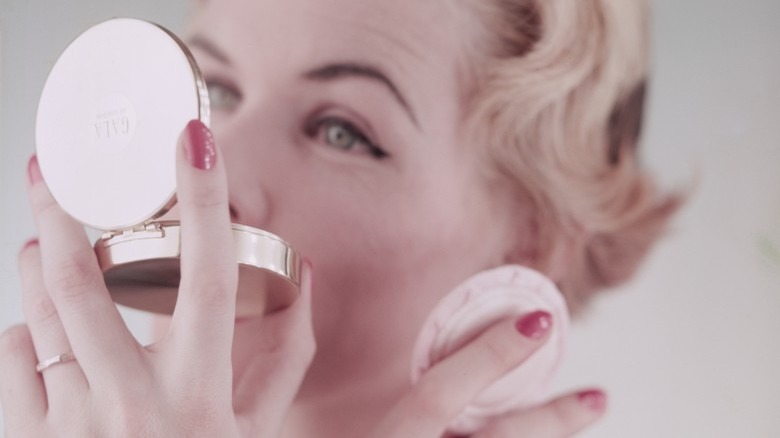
(339, 122)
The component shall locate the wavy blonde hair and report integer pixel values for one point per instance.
(559, 103)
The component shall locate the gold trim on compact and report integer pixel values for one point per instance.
(141, 268)
(110, 113)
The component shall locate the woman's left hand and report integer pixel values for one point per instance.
(562, 417)
(448, 387)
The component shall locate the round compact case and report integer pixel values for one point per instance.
(107, 129)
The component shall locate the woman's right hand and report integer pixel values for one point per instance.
(181, 386)
(452, 384)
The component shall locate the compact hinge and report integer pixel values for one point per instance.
(146, 231)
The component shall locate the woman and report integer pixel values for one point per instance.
(402, 147)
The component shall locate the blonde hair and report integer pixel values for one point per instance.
(559, 104)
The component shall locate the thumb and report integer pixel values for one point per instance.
(272, 352)
(448, 387)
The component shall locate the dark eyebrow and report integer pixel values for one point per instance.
(208, 47)
(349, 69)
(325, 73)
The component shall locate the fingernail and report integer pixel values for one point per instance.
(310, 269)
(199, 146)
(534, 325)
(29, 243)
(593, 399)
(34, 171)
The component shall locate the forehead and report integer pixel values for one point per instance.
(405, 23)
(417, 40)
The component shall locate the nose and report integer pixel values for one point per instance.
(248, 197)
(233, 213)
(173, 214)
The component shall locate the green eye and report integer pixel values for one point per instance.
(223, 97)
(340, 136)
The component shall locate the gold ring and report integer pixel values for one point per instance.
(56, 360)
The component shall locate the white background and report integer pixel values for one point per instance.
(690, 348)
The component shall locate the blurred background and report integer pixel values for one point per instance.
(691, 347)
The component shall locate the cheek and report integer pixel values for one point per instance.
(365, 227)
(381, 239)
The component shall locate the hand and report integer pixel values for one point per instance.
(449, 386)
(181, 386)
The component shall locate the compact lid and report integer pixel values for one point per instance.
(109, 119)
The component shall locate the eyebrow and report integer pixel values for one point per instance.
(328, 72)
(350, 69)
(209, 48)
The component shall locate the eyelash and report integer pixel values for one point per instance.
(316, 130)
(228, 92)
(313, 130)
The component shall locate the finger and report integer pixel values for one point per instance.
(205, 312)
(48, 335)
(273, 353)
(92, 323)
(562, 417)
(21, 388)
(451, 385)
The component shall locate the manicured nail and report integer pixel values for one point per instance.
(310, 269)
(534, 325)
(29, 243)
(593, 399)
(199, 146)
(34, 171)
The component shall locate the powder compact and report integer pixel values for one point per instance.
(108, 122)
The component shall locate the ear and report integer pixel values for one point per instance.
(524, 246)
(564, 251)
(539, 242)
(552, 248)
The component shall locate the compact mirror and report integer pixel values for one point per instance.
(108, 122)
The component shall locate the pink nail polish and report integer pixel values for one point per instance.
(199, 146)
(34, 171)
(534, 325)
(593, 399)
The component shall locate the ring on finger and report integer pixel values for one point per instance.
(55, 360)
